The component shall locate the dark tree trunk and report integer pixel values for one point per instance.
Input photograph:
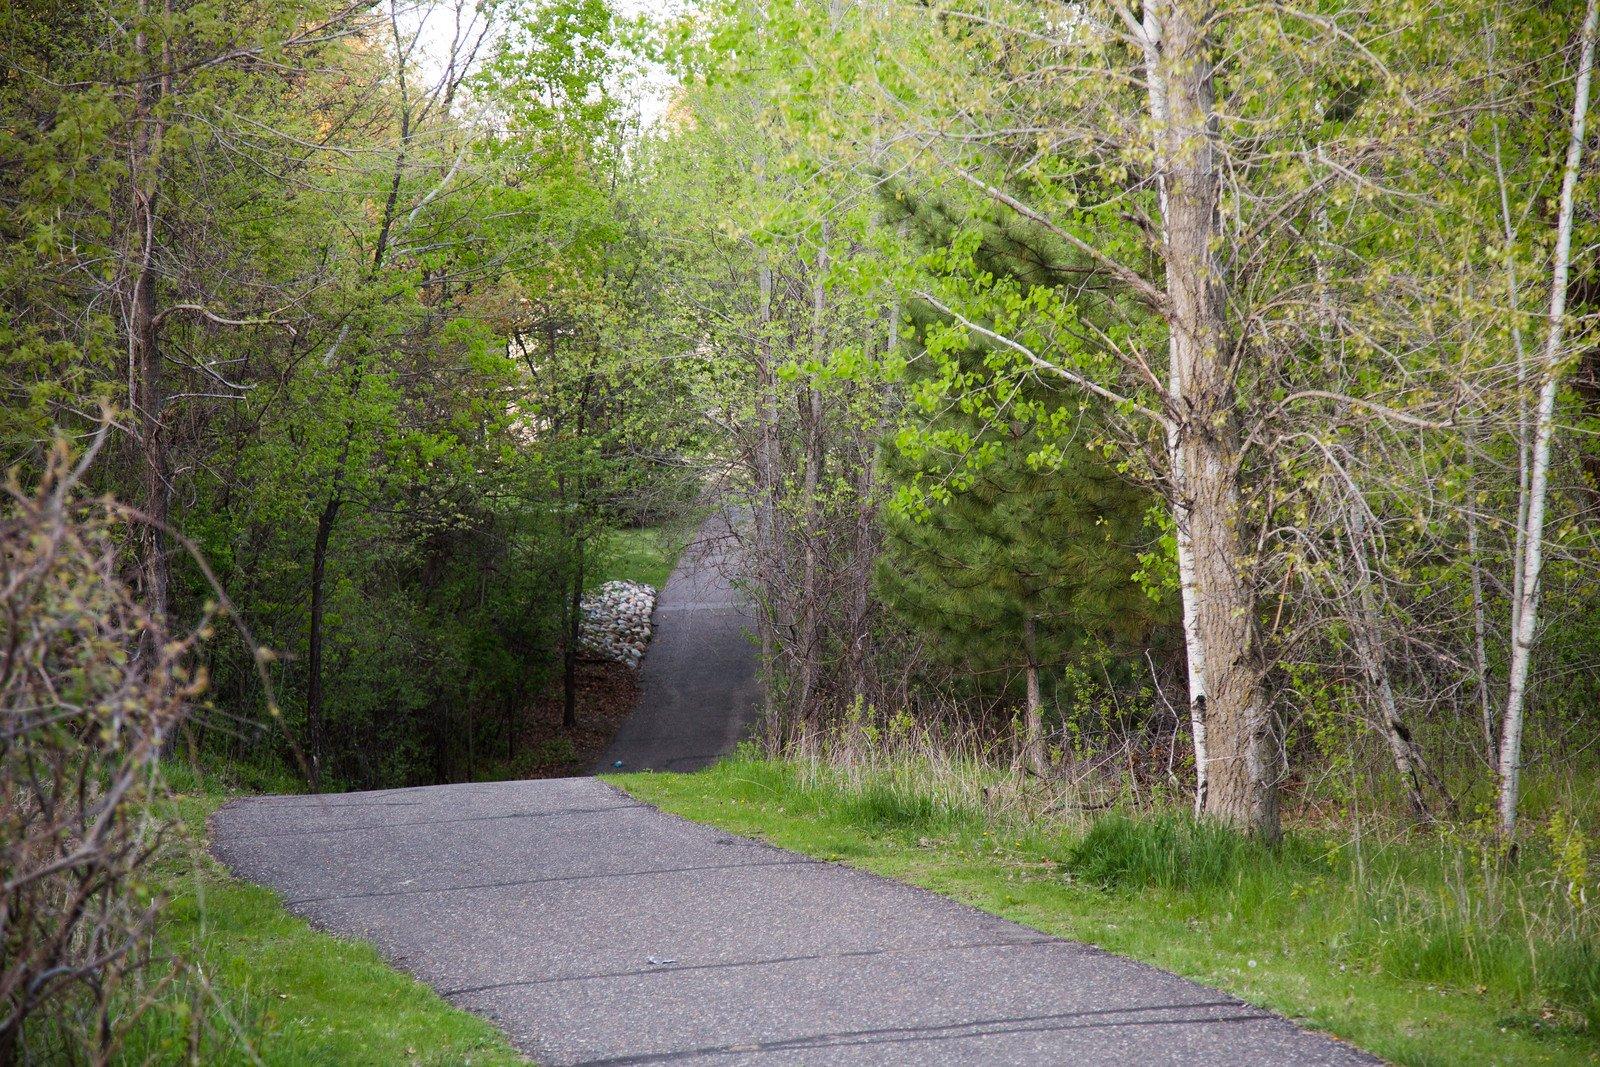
(810, 411)
(145, 385)
(569, 668)
(156, 483)
(513, 712)
(319, 562)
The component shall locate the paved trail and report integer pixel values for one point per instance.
(698, 693)
(598, 930)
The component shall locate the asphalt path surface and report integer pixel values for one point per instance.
(697, 686)
(598, 930)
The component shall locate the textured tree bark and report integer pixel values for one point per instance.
(1194, 648)
(766, 506)
(1480, 627)
(811, 481)
(1242, 765)
(1370, 651)
(1531, 534)
(1033, 726)
(146, 389)
(1241, 758)
(149, 402)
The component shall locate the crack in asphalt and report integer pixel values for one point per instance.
(1055, 1021)
(767, 961)
(555, 878)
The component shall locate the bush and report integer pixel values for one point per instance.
(91, 690)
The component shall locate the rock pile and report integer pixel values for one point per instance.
(616, 622)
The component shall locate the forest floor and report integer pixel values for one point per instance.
(607, 692)
(1287, 943)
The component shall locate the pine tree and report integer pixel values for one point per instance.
(1026, 568)
(1028, 559)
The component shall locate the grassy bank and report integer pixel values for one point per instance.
(644, 554)
(1400, 946)
(259, 985)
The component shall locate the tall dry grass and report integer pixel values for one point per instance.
(1444, 904)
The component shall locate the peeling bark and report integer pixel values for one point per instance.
(1220, 605)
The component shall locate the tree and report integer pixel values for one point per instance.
(1230, 333)
(1021, 570)
(1531, 530)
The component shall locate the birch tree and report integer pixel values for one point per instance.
(1534, 501)
(1182, 159)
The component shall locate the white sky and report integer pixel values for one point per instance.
(438, 18)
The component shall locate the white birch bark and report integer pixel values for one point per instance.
(1194, 647)
(1033, 726)
(1532, 532)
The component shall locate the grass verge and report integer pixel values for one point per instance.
(262, 986)
(645, 554)
(1285, 928)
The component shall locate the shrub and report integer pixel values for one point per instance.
(91, 690)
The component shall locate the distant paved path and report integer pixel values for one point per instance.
(596, 929)
(697, 688)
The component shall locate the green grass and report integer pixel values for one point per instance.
(265, 987)
(646, 554)
(1377, 944)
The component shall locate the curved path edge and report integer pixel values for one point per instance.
(596, 929)
(698, 690)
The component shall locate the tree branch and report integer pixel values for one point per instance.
(1042, 363)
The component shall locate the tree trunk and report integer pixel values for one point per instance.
(1033, 724)
(1241, 762)
(569, 666)
(154, 477)
(146, 390)
(811, 481)
(1531, 534)
(1480, 627)
(319, 562)
(1370, 651)
(1194, 648)
(513, 712)
(766, 478)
